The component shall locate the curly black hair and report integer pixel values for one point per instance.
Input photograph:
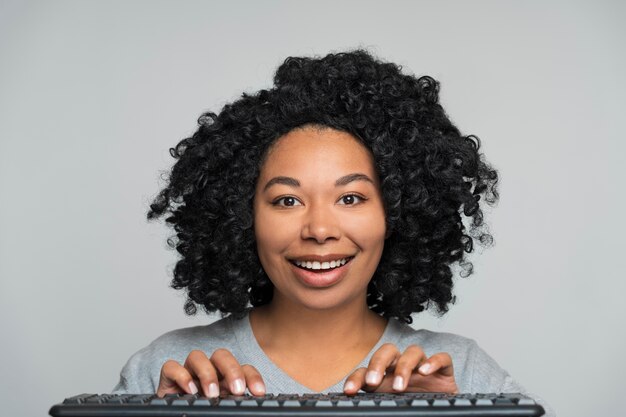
(430, 176)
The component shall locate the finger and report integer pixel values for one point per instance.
(229, 368)
(385, 357)
(254, 381)
(407, 363)
(175, 379)
(355, 381)
(200, 366)
(439, 362)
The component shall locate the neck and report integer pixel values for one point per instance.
(285, 326)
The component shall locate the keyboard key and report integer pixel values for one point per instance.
(238, 398)
(159, 401)
(118, 399)
(78, 399)
(345, 403)
(503, 401)
(483, 402)
(204, 401)
(181, 401)
(95, 400)
(139, 399)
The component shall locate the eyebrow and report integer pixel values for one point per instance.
(347, 179)
(292, 182)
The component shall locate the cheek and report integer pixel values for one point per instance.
(367, 231)
(273, 236)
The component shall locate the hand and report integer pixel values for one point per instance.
(220, 374)
(412, 371)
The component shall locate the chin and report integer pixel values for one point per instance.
(317, 301)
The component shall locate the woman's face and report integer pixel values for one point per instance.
(319, 218)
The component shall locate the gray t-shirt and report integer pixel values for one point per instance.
(475, 371)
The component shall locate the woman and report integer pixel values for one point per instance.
(317, 216)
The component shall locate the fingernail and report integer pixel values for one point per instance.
(398, 383)
(372, 377)
(425, 368)
(193, 388)
(214, 391)
(260, 388)
(237, 387)
(349, 386)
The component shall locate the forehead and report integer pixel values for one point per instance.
(317, 151)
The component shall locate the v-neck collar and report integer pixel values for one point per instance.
(274, 376)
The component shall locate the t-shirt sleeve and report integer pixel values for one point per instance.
(141, 373)
(137, 376)
(488, 376)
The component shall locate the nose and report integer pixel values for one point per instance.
(320, 224)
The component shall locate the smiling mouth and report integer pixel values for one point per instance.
(316, 266)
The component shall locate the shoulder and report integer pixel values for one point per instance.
(176, 344)
(474, 369)
(142, 370)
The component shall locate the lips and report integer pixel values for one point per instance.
(321, 266)
(320, 273)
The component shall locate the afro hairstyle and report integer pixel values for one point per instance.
(431, 176)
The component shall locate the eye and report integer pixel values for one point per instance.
(287, 201)
(351, 200)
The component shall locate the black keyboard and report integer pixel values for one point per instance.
(304, 405)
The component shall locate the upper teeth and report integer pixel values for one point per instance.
(321, 265)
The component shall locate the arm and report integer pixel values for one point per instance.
(487, 376)
(136, 375)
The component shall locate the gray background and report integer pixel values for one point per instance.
(92, 95)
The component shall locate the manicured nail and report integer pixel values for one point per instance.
(193, 388)
(398, 383)
(214, 391)
(237, 387)
(372, 377)
(349, 386)
(425, 368)
(260, 388)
